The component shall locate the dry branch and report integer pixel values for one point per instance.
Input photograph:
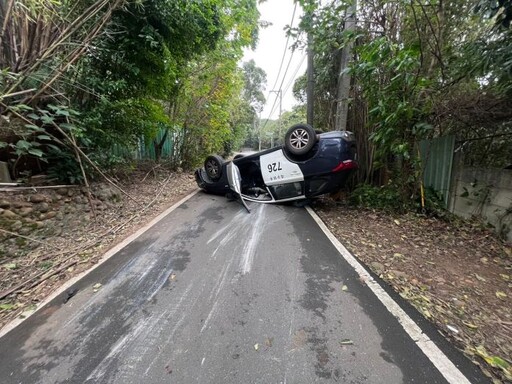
(77, 148)
(24, 237)
(35, 280)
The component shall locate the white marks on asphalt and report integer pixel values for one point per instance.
(240, 215)
(443, 364)
(214, 296)
(116, 350)
(252, 241)
(246, 227)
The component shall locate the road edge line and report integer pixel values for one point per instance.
(443, 364)
(106, 256)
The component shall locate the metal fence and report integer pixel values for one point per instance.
(145, 149)
(437, 163)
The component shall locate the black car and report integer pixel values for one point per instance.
(309, 164)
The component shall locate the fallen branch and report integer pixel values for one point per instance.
(33, 282)
(26, 237)
(31, 279)
(151, 170)
(52, 273)
(119, 227)
(77, 148)
(14, 189)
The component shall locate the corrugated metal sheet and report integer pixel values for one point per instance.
(437, 162)
(146, 150)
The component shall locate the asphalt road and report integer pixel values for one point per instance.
(212, 294)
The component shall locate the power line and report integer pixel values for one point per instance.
(282, 62)
(285, 48)
(292, 78)
(280, 87)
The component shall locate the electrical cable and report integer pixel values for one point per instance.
(285, 48)
(282, 60)
(279, 90)
(292, 78)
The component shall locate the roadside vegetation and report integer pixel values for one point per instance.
(418, 71)
(87, 83)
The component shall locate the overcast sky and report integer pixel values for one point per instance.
(269, 53)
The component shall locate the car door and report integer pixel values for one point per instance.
(283, 177)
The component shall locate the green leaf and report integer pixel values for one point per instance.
(34, 127)
(44, 137)
(497, 362)
(35, 152)
(21, 107)
(68, 126)
(23, 145)
(11, 266)
(47, 119)
(54, 147)
(7, 307)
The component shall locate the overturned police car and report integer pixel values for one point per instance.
(309, 164)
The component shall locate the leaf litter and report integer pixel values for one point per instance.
(457, 274)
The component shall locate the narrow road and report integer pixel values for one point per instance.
(212, 294)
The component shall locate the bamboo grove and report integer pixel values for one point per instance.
(115, 73)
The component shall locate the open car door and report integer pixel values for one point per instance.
(235, 182)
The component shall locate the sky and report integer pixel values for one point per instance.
(269, 53)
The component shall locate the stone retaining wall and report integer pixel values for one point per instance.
(39, 214)
(486, 193)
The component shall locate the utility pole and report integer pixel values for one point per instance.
(310, 90)
(344, 76)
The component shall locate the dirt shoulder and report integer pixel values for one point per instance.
(458, 275)
(48, 236)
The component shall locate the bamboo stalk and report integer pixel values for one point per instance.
(86, 182)
(24, 237)
(77, 53)
(7, 16)
(17, 93)
(66, 33)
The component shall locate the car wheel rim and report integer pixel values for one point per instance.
(212, 168)
(299, 139)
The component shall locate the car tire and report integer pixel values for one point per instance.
(300, 139)
(213, 167)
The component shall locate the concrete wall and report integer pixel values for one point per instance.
(486, 193)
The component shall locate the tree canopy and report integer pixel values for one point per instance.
(128, 70)
(418, 71)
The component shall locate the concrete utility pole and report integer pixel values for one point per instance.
(344, 77)
(310, 90)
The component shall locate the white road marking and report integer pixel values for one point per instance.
(443, 364)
